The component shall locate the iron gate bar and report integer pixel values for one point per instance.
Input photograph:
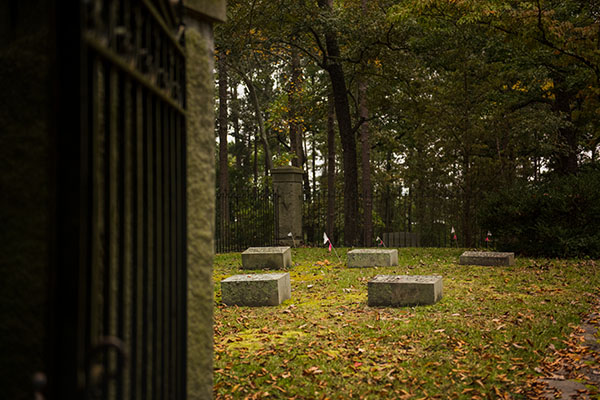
(116, 59)
(137, 243)
(158, 259)
(166, 31)
(135, 81)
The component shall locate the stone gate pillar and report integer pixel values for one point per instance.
(199, 46)
(287, 186)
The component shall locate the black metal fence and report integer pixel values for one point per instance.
(397, 221)
(244, 220)
(249, 219)
(316, 221)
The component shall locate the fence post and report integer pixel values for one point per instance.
(287, 185)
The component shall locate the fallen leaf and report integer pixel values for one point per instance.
(312, 371)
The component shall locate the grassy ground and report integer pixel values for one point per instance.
(484, 339)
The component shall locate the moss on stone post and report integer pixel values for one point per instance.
(200, 192)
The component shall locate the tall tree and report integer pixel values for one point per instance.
(332, 64)
(365, 145)
(262, 133)
(240, 145)
(294, 128)
(330, 166)
(223, 152)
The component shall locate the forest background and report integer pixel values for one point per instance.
(480, 115)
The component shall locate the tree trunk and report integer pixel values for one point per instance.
(331, 168)
(223, 165)
(367, 187)
(304, 165)
(295, 144)
(255, 160)
(566, 154)
(261, 125)
(342, 111)
(240, 147)
(420, 188)
(314, 162)
(467, 232)
(365, 142)
(467, 224)
(223, 156)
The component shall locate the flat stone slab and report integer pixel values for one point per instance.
(267, 258)
(488, 258)
(404, 290)
(361, 258)
(256, 289)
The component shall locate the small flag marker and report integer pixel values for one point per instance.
(290, 235)
(325, 241)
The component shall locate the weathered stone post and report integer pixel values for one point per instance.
(199, 47)
(287, 185)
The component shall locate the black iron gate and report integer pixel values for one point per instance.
(121, 200)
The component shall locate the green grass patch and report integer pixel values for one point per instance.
(482, 340)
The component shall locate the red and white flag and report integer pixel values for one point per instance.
(325, 240)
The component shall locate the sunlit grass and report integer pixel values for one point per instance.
(482, 340)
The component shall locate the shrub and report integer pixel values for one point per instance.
(557, 217)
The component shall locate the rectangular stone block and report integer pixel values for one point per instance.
(256, 290)
(404, 290)
(267, 258)
(488, 258)
(372, 258)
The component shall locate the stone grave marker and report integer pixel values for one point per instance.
(404, 290)
(267, 258)
(360, 258)
(488, 258)
(256, 289)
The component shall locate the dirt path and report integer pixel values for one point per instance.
(575, 372)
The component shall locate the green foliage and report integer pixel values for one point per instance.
(557, 217)
(283, 159)
(463, 95)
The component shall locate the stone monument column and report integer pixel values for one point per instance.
(287, 185)
(199, 48)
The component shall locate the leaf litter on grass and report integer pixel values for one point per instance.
(484, 339)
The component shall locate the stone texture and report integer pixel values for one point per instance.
(200, 207)
(267, 258)
(488, 258)
(214, 10)
(287, 185)
(404, 290)
(256, 290)
(372, 258)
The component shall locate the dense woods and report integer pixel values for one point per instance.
(453, 113)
